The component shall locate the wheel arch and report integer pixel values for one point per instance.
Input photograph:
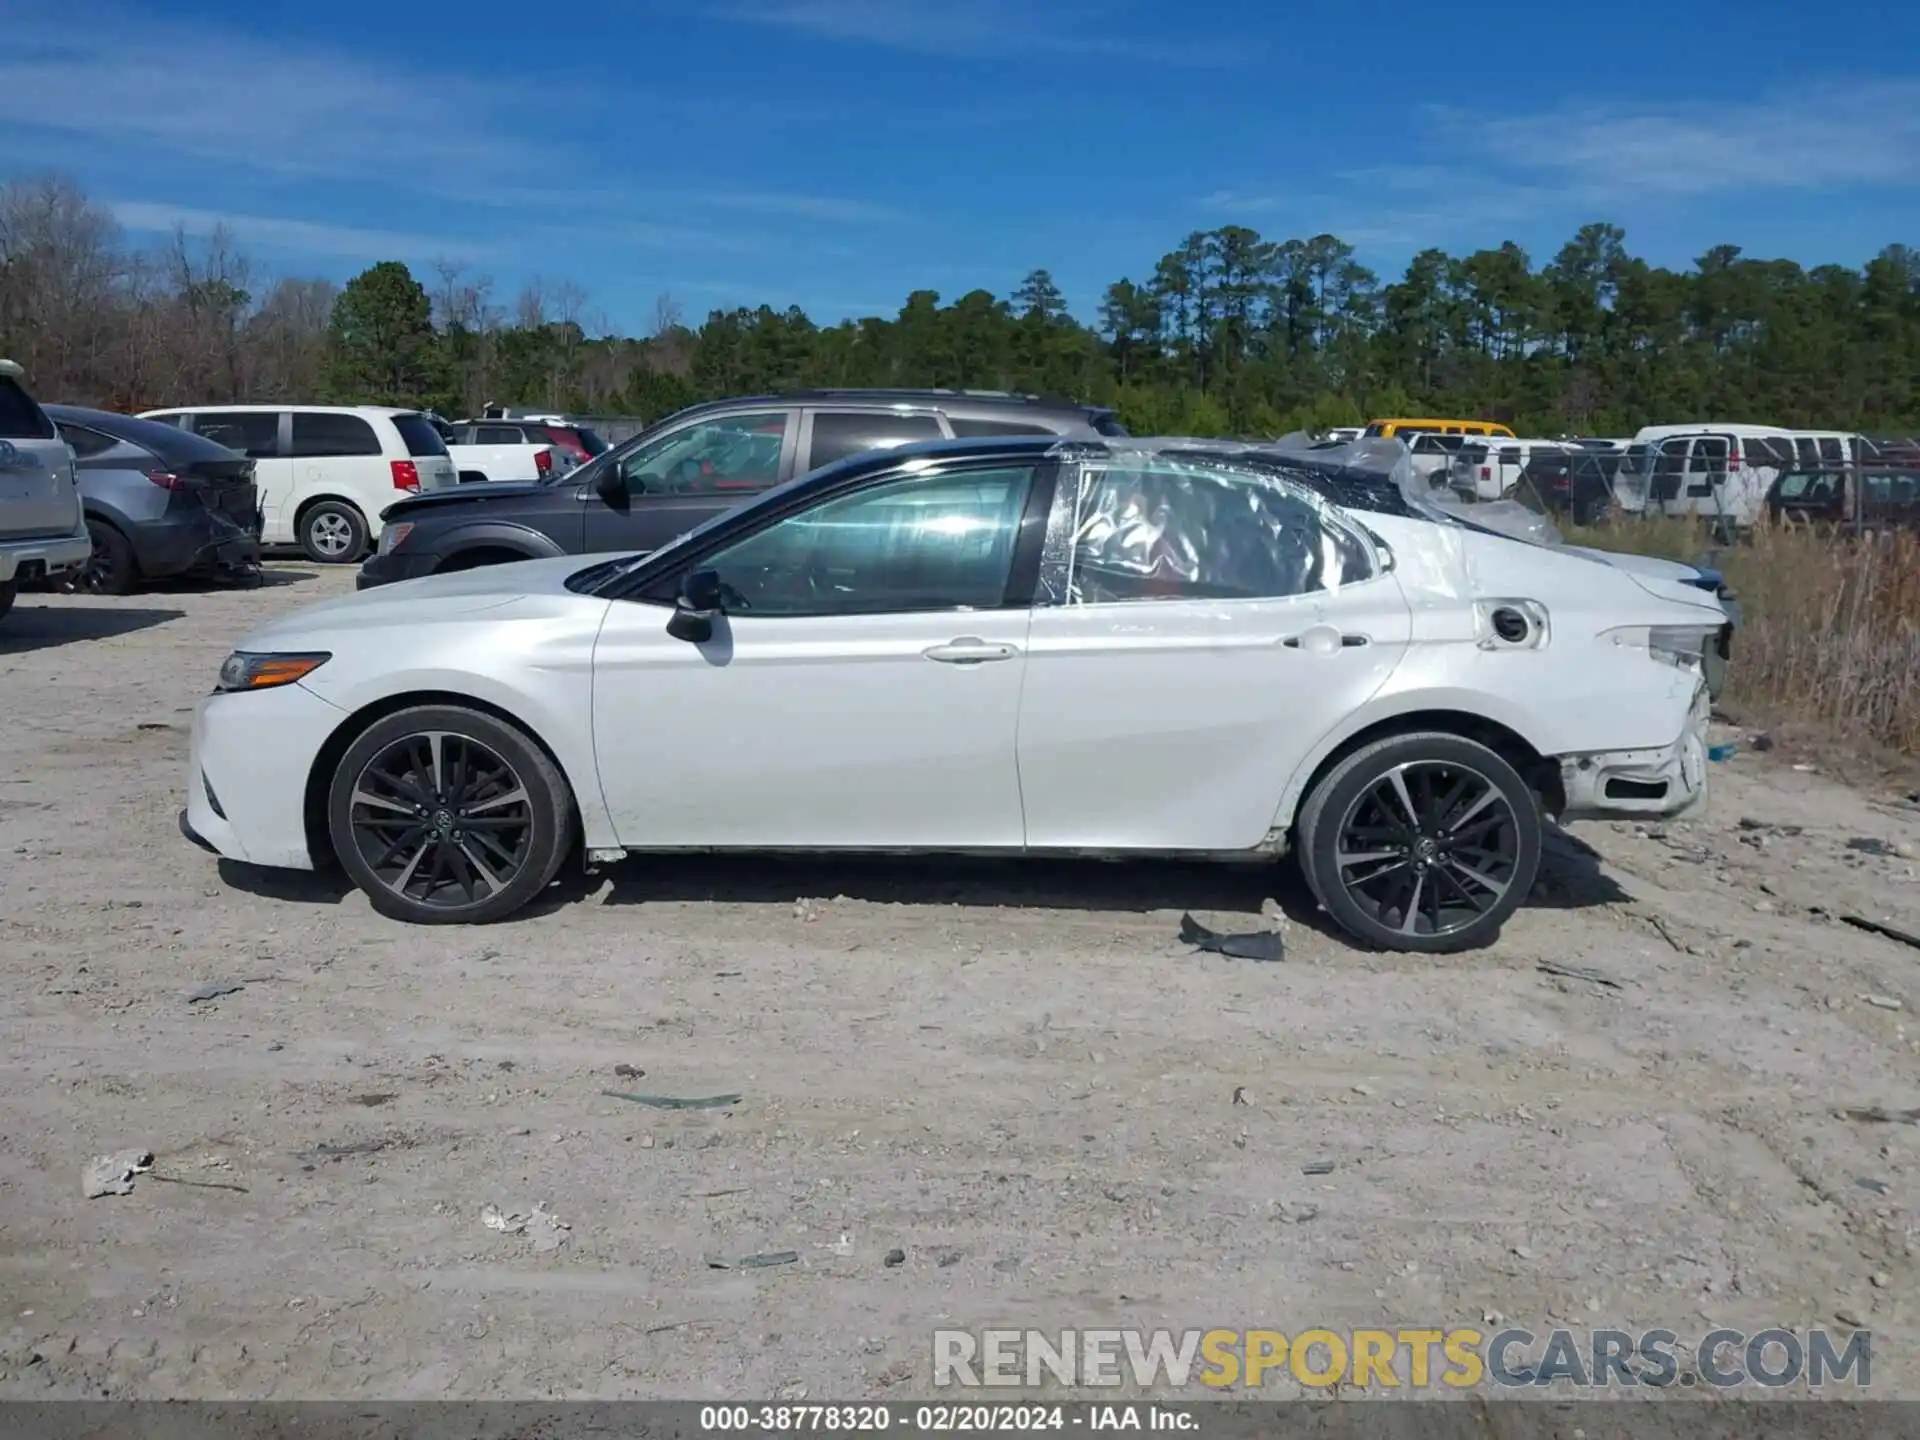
(313, 807)
(525, 542)
(1445, 715)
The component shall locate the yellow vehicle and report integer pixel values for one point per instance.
(1387, 429)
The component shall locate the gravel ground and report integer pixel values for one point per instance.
(1013, 1074)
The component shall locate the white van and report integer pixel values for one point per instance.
(325, 472)
(1489, 467)
(1719, 471)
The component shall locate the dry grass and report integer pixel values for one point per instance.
(1830, 626)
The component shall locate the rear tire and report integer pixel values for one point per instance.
(111, 569)
(448, 816)
(8, 593)
(333, 533)
(1441, 877)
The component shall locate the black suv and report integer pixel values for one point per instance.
(691, 466)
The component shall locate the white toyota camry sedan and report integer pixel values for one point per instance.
(1011, 645)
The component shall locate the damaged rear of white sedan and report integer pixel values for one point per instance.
(1005, 646)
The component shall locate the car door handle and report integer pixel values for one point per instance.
(1322, 636)
(970, 650)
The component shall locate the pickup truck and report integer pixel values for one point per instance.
(43, 534)
(483, 453)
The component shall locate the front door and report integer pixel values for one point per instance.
(861, 690)
(672, 483)
(1203, 628)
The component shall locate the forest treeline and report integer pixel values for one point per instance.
(1229, 333)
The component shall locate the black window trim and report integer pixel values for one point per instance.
(661, 586)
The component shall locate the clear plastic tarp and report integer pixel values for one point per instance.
(1182, 520)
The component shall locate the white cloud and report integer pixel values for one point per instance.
(1483, 172)
(306, 236)
(145, 85)
(999, 28)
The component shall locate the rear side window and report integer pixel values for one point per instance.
(837, 435)
(418, 435)
(172, 417)
(967, 428)
(316, 435)
(84, 442)
(20, 417)
(496, 435)
(254, 433)
(1832, 453)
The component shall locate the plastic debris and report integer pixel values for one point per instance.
(1871, 1185)
(113, 1174)
(676, 1102)
(1317, 1167)
(1881, 1115)
(212, 990)
(1249, 945)
(547, 1230)
(1720, 754)
(1578, 972)
(628, 1072)
(1880, 927)
(753, 1262)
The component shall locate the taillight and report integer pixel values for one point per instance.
(1733, 460)
(406, 475)
(543, 461)
(1486, 472)
(166, 480)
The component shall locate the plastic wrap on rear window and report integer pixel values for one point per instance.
(1143, 523)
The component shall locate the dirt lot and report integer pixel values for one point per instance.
(1015, 1075)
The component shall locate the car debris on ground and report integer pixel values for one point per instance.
(113, 1174)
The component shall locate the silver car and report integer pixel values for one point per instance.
(42, 535)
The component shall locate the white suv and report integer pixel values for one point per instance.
(42, 532)
(325, 472)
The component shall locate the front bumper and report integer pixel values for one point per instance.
(247, 773)
(1664, 783)
(44, 557)
(393, 567)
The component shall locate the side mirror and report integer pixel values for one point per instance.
(611, 486)
(694, 611)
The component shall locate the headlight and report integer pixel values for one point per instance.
(1679, 645)
(393, 536)
(246, 671)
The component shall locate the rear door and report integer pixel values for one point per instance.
(260, 435)
(830, 435)
(36, 469)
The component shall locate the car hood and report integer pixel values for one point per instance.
(479, 493)
(532, 586)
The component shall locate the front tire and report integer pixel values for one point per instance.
(333, 533)
(1425, 842)
(8, 593)
(448, 816)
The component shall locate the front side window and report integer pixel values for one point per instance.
(254, 433)
(838, 434)
(322, 434)
(914, 544)
(1160, 530)
(734, 452)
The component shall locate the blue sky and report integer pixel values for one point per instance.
(837, 153)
